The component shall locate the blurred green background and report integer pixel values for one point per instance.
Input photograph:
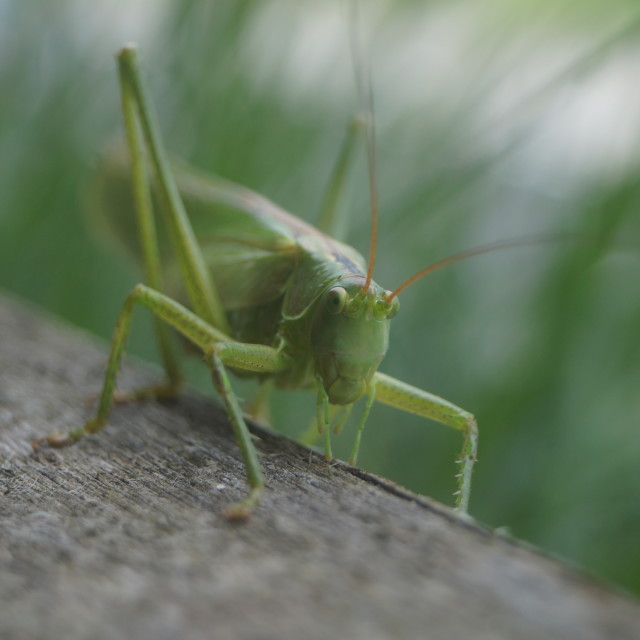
(494, 119)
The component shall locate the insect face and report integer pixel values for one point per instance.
(350, 337)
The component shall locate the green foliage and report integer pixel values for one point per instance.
(491, 124)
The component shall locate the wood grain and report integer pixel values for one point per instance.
(120, 535)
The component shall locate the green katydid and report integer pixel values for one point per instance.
(267, 294)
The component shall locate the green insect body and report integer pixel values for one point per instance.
(260, 292)
(281, 281)
(285, 284)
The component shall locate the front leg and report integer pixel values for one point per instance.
(414, 400)
(219, 349)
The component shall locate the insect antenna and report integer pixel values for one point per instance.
(509, 243)
(362, 73)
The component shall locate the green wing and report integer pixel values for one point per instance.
(250, 252)
(256, 250)
(271, 249)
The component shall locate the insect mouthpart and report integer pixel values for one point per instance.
(345, 376)
(346, 391)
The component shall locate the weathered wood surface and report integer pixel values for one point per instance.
(120, 536)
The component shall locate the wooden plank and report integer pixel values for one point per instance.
(120, 536)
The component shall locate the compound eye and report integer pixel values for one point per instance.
(384, 310)
(394, 307)
(336, 299)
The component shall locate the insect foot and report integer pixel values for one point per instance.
(242, 510)
(58, 441)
